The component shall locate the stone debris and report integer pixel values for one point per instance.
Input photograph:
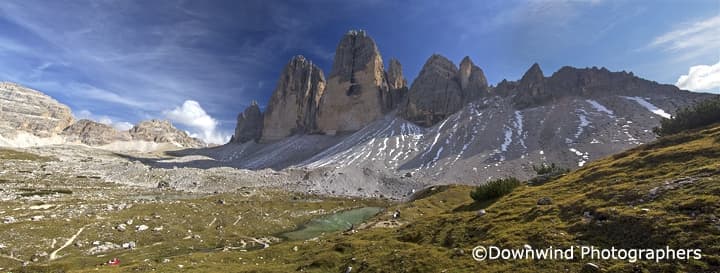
(103, 247)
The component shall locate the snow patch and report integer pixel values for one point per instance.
(649, 106)
(601, 108)
(584, 122)
(519, 127)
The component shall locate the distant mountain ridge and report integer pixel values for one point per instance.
(30, 118)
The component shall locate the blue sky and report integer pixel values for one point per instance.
(199, 63)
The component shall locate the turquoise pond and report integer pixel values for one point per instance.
(334, 222)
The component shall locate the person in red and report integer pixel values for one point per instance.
(114, 261)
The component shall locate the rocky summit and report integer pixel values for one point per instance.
(94, 133)
(31, 118)
(24, 110)
(294, 105)
(162, 131)
(442, 89)
(357, 91)
(249, 124)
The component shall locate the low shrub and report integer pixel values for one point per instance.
(702, 114)
(495, 189)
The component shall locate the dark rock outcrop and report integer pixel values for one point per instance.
(442, 89)
(249, 124)
(533, 89)
(397, 85)
(293, 107)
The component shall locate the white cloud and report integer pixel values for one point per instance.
(119, 125)
(691, 39)
(701, 78)
(191, 114)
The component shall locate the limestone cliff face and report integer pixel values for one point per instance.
(357, 91)
(27, 110)
(293, 107)
(94, 133)
(249, 124)
(442, 89)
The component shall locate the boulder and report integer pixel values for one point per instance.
(544, 201)
(249, 124)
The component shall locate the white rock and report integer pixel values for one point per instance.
(121, 227)
(142, 228)
(37, 218)
(129, 245)
(39, 207)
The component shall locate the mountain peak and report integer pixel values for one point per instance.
(356, 32)
(472, 79)
(292, 106)
(357, 88)
(249, 124)
(466, 61)
(534, 74)
(355, 50)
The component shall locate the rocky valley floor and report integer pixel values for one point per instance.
(63, 210)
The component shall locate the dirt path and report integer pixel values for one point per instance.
(53, 255)
(11, 258)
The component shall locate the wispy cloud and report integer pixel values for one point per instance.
(691, 39)
(96, 93)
